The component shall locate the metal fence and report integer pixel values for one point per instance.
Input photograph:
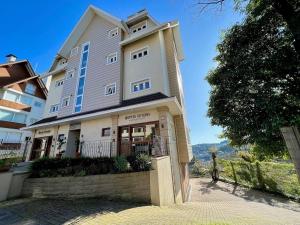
(93, 149)
(12, 150)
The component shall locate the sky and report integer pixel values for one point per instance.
(35, 30)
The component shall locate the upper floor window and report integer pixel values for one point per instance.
(139, 53)
(30, 88)
(112, 58)
(12, 116)
(38, 104)
(65, 102)
(59, 83)
(139, 27)
(113, 33)
(74, 51)
(140, 85)
(70, 74)
(110, 89)
(54, 108)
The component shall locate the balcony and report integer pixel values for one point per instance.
(14, 105)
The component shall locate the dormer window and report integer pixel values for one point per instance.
(139, 27)
(113, 33)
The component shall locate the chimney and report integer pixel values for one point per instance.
(11, 58)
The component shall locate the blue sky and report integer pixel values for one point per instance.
(35, 30)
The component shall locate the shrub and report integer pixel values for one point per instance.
(199, 170)
(248, 157)
(120, 164)
(52, 167)
(140, 162)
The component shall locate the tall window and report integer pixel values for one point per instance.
(30, 88)
(140, 85)
(81, 79)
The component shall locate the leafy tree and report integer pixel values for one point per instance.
(256, 85)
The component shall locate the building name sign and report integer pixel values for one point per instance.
(44, 132)
(137, 116)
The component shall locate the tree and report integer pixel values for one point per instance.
(256, 85)
(288, 9)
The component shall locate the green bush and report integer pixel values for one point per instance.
(269, 176)
(248, 157)
(120, 164)
(140, 162)
(52, 167)
(197, 169)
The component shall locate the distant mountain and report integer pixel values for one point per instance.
(201, 151)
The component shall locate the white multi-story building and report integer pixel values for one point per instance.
(22, 99)
(116, 87)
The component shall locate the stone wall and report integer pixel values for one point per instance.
(126, 186)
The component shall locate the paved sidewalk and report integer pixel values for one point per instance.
(212, 203)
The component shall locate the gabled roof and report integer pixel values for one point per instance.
(82, 25)
(15, 80)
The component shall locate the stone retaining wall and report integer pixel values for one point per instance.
(127, 186)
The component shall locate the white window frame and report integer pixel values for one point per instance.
(78, 79)
(72, 71)
(140, 81)
(55, 105)
(107, 86)
(139, 25)
(136, 51)
(74, 51)
(62, 103)
(59, 83)
(115, 30)
(113, 55)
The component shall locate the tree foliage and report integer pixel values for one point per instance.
(256, 85)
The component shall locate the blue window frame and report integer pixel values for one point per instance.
(81, 77)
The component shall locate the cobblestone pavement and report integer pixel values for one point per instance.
(211, 203)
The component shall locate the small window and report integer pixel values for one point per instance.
(54, 108)
(65, 102)
(59, 83)
(38, 104)
(112, 58)
(74, 52)
(70, 74)
(113, 33)
(140, 85)
(30, 88)
(139, 27)
(106, 132)
(139, 53)
(110, 89)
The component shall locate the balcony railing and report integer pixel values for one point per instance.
(157, 146)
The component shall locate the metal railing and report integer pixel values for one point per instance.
(11, 150)
(93, 149)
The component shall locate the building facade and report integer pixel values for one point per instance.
(116, 89)
(22, 100)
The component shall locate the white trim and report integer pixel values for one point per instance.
(78, 78)
(111, 111)
(105, 89)
(137, 50)
(62, 102)
(70, 71)
(75, 49)
(139, 81)
(109, 55)
(112, 31)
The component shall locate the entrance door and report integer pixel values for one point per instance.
(41, 147)
(137, 138)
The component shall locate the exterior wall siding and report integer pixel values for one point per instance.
(98, 73)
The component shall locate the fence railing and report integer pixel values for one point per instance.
(12, 150)
(156, 146)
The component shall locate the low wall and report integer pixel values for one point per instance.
(126, 186)
(5, 179)
(16, 184)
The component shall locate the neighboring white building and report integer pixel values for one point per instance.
(22, 100)
(116, 89)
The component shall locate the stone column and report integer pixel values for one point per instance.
(114, 134)
(167, 132)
